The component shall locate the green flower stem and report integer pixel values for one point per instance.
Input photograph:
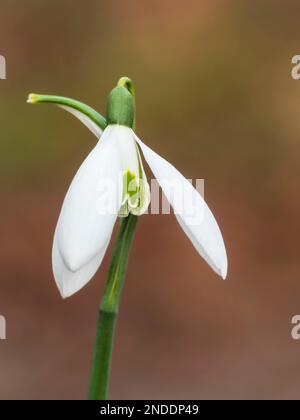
(108, 311)
(71, 103)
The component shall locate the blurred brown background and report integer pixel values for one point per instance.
(215, 96)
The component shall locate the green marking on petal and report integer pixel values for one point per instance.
(136, 195)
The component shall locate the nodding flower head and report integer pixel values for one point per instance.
(89, 213)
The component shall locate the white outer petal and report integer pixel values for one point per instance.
(83, 232)
(69, 282)
(90, 124)
(197, 221)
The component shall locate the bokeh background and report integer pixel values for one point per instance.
(215, 96)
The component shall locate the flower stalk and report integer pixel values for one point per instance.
(108, 311)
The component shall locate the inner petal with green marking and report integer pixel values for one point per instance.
(136, 194)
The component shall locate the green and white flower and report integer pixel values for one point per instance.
(83, 232)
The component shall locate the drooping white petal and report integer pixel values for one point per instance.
(87, 217)
(90, 124)
(191, 211)
(69, 282)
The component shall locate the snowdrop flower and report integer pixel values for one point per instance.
(84, 228)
